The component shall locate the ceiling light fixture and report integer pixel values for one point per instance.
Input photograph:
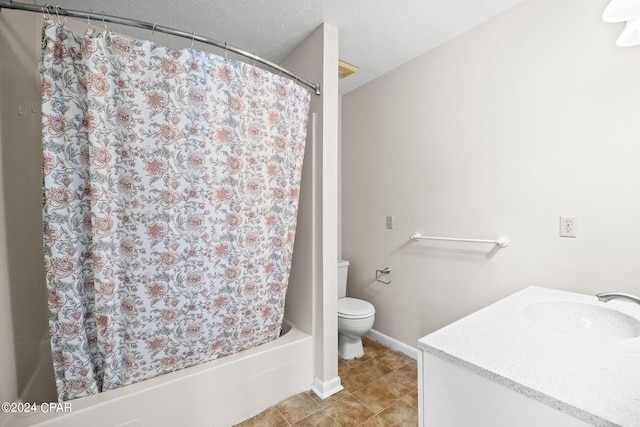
(629, 11)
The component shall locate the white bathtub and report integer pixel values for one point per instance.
(220, 393)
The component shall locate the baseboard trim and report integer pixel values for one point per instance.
(393, 344)
(324, 389)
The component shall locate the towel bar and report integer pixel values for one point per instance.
(501, 241)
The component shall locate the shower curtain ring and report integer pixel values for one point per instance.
(104, 21)
(226, 51)
(57, 14)
(153, 30)
(46, 12)
(64, 17)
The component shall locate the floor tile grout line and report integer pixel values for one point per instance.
(339, 423)
(291, 423)
(374, 416)
(373, 380)
(286, 420)
(382, 410)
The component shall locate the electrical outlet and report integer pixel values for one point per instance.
(568, 226)
(390, 222)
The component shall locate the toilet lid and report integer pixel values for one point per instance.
(353, 308)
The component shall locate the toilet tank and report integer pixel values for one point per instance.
(343, 268)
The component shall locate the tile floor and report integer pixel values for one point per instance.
(380, 389)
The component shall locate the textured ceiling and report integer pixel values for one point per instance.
(375, 35)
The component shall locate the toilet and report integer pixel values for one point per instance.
(355, 318)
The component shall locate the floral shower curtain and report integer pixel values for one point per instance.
(171, 180)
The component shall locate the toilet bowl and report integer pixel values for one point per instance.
(355, 318)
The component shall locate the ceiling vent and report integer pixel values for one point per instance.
(345, 70)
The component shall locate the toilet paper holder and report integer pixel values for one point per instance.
(382, 272)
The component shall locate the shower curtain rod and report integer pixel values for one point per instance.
(59, 11)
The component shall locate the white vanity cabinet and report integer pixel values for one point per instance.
(453, 396)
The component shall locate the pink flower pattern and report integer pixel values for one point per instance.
(170, 200)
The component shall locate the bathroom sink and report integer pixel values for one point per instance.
(585, 320)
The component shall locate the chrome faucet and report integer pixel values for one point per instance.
(608, 296)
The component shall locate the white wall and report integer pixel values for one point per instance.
(529, 116)
(313, 290)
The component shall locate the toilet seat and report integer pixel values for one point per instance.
(353, 308)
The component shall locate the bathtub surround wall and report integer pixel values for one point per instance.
(527, 117)
(23, 307)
